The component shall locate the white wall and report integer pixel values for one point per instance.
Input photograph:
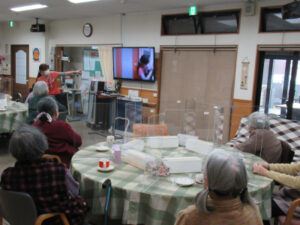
(20, 35)
(143, 29)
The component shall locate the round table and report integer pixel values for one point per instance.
(136, 199)
(14, 115)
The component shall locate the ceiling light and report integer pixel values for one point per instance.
(81, 1)
(28, 7)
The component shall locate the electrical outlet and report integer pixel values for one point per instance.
(155, 95)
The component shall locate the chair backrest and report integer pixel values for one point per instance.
(17, 208)
(144, 130)
(287, 154)
(48, 156)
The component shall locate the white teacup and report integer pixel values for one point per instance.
(104, 163)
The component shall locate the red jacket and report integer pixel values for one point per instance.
(63, 140)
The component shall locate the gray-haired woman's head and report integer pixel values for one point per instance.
(47, 105)
(259, 120)
(40, 89)
(226, 175)
(28, 143)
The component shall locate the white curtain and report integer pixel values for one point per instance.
(106, 61)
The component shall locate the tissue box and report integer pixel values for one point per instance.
(137, 159)
(199, 146)
(184, 137)
(162, 142)
(184, 164)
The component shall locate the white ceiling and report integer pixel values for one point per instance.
(63, 9)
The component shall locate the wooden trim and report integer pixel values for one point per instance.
(240, 109)
(256, 71)
(209, 11)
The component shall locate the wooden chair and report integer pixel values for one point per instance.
(144, 130)
(288, 220)
(18, 208)
(48, 156)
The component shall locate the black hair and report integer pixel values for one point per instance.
(42, 67)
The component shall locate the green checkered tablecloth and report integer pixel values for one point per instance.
(12, 117)
(139, 199)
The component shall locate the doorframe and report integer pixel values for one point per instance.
(13, 65)
(258, 67)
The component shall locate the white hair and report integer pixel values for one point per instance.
(40, 89)
(28, 143)
(227, 176)
(259, 120)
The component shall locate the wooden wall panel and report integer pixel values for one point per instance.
(240, 109)
(31, 81)
(6, 84)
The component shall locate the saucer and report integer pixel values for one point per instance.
(110, 168)
(184, 181)
(102, 148)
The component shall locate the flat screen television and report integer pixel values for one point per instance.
(134, 63)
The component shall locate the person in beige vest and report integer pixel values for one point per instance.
(225, 199)
(287, 175)
(262, 142)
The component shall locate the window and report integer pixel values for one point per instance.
(271, 21)
(203, 23)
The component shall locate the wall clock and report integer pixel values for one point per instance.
(87, 30)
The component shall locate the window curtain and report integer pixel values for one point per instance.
(106, 60)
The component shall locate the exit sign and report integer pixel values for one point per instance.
(11, 23)
(193, 11)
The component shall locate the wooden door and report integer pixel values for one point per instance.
(20, 69)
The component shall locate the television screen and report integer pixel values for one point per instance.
(134, 63)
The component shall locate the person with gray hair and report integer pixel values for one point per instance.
(63, 140)
(46, 180)
(225, 199)
(40, 91)
(262, 142)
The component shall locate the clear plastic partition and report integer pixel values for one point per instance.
(191, 118)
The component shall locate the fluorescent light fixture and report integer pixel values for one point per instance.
(28, 7)
(82, 1)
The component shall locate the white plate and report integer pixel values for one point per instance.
(110, 168)
(2, 110)
(102, 148)
(184, 181)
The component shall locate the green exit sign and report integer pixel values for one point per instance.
(11, 23)
(193, 11)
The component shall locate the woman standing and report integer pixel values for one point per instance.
(50, 77)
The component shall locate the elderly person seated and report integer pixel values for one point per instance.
(289, 176)
(40, 91)
(225, 199)
(63, 140)
(49, 182)
(262, 142)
